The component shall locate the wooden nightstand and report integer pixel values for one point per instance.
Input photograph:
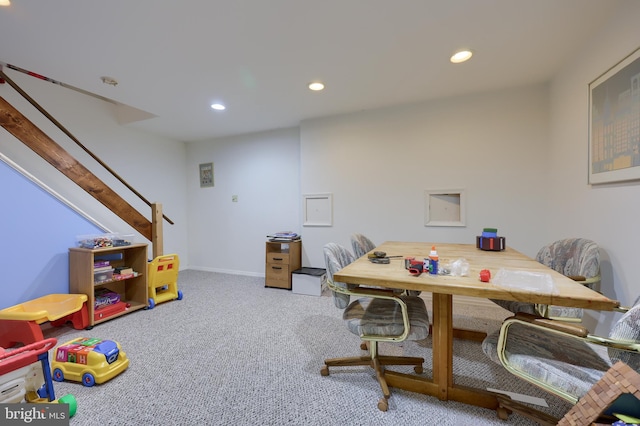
(282, 258)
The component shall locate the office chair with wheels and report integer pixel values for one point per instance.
(577, 258)
(376, 315)
(562, 358)
(361, 245)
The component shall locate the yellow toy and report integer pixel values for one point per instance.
(163, 279)
(89, 360)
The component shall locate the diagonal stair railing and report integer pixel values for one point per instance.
(33, 137)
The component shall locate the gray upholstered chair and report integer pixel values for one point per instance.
(375, 315)
(577, 258)
(562, 358)
(361, 245)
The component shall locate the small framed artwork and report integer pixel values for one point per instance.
(206, 175)
(444, 207)
(614, 123)
(318, 209)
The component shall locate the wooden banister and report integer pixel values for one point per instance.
(29, 134)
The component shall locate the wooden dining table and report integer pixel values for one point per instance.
(564, 292)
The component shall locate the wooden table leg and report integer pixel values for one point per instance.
(464, 334)
(442, 385)
(472, 335)
(507, 405)
(443, 343)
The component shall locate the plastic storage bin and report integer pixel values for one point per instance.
(311, 281)
(94, 241)
(102, 276)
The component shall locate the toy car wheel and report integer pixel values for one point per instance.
(58, 375)
(179, 294)
(88, 380)
(152, 303)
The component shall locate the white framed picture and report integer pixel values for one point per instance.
(444, 207)
(317, 209)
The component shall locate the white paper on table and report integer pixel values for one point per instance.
(525, 280)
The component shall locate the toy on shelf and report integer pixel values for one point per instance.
(163, 279)
(89, 360)
(21, 323)
(23, 379)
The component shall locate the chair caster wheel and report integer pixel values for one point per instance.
(324, 371)
(418, 369)
(503, 413)
(383, 404)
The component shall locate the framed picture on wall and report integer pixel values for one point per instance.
(317, 209)
(206, 175)
(614, 123)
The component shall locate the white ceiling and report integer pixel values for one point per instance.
(172, 59)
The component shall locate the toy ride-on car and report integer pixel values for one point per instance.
(89, 360)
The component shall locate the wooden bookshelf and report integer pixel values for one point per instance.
(133, 291)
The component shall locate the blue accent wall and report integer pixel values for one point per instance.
(36, 231)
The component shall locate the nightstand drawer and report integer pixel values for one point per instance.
(278, 258)
(277, 276)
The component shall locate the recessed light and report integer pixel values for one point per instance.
(461, 56)
(316, 86)
(5, 2)
(218, 107)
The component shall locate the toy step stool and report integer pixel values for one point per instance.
(21, 323)
(163, 279)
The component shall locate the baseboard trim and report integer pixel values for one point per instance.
(225, 271)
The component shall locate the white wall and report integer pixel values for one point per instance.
(521, 155)
(153, 166)
(378, 164)
(263, 170)
(608, 213)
